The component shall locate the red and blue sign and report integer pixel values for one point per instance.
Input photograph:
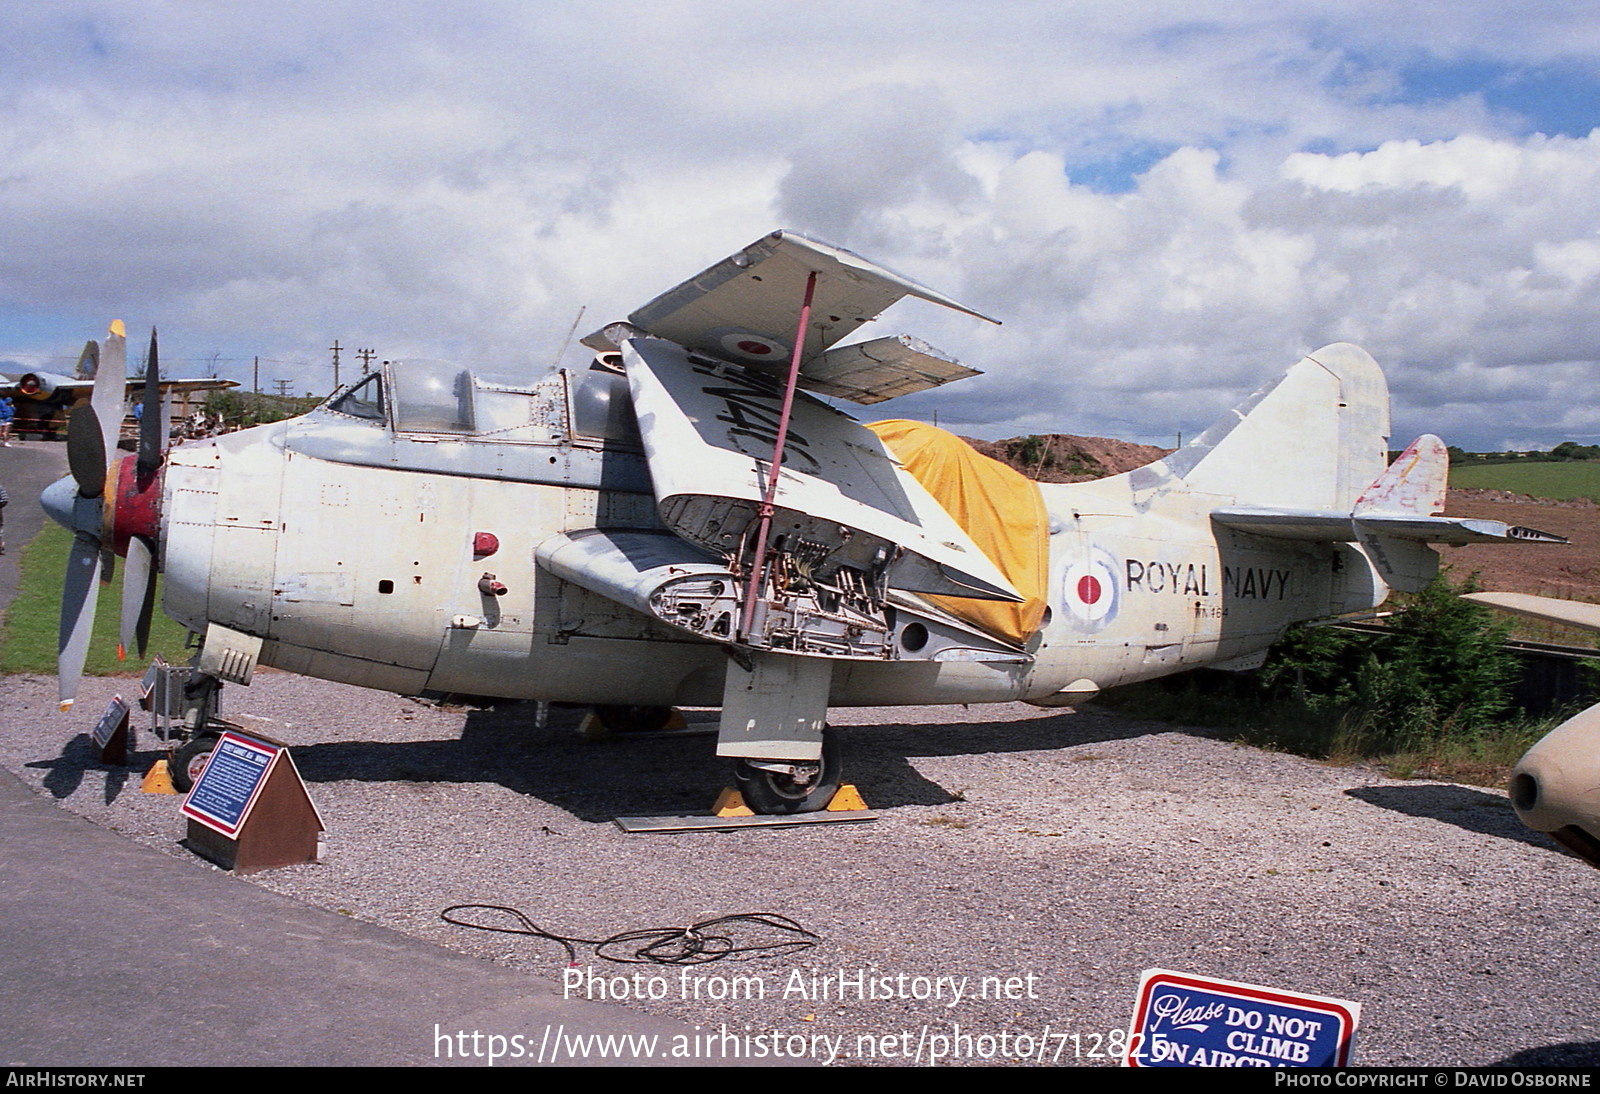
(1192, 1021)
(232, 780)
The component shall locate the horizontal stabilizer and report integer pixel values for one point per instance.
(1332, 527)
(1569, 613)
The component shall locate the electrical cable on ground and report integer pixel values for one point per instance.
(695, 944)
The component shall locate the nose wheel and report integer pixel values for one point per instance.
(782, 787)
(189, 760)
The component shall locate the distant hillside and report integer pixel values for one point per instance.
(1062, 457)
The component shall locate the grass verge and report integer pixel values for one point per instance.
(1562, 481)
(1480, 757)
(32, 623)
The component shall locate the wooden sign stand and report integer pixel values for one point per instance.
(111, 734)
(249, 810)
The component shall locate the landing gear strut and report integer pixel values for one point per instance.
(200, 728)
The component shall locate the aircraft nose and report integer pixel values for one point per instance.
(1555, 788)
(58, 500)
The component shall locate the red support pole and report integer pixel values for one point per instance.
(764, 519)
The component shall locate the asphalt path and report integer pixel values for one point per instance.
(116, 955)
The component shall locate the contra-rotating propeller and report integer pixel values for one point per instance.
(139, 573)
(109, 504)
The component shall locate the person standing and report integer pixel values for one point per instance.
(7, 412)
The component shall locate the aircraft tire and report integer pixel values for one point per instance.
(771, 794)
(190, 759)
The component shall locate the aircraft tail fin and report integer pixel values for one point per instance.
(1414, 485)
(1315, 438)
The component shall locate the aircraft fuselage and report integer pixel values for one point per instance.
(377, 556)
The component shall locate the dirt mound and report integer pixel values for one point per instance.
(1571, 572)
(1062, 457)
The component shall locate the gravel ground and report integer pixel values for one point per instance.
(1070, 850)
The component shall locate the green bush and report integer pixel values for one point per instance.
(1440, 668)
(1430, 692)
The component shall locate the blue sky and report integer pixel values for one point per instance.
(1164, 210)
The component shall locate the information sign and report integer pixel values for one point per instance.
(221, 798)
(249, 809)
(114, 719)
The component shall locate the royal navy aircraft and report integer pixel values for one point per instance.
(685, 522)
(41, 397)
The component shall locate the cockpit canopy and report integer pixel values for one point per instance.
(435, 397)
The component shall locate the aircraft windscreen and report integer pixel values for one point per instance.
(365, 400)
(431, 397)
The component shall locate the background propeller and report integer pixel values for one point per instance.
(139, 571)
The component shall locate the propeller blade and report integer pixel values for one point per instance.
(138, 597)
(79, 591)
(86, 450)
(110, 395)
(151, 441)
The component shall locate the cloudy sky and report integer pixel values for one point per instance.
(1166, 204)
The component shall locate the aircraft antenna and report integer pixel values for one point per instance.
(567, 341)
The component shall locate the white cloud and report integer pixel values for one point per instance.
(268, 179)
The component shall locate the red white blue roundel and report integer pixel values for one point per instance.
(1089, 591)
(747, 345)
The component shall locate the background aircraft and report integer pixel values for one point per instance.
(42, 397)
(1555, 787)
(680, 524)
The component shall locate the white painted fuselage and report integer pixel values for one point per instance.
(356, 550)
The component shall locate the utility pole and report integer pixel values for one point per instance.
(335, 347)
(283, 388)
(366, 356)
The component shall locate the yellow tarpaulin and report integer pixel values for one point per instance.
(999, 508)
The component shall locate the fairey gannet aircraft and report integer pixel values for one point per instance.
(682, 523)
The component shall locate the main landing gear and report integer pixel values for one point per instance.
(189, 759)
(782, 787)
